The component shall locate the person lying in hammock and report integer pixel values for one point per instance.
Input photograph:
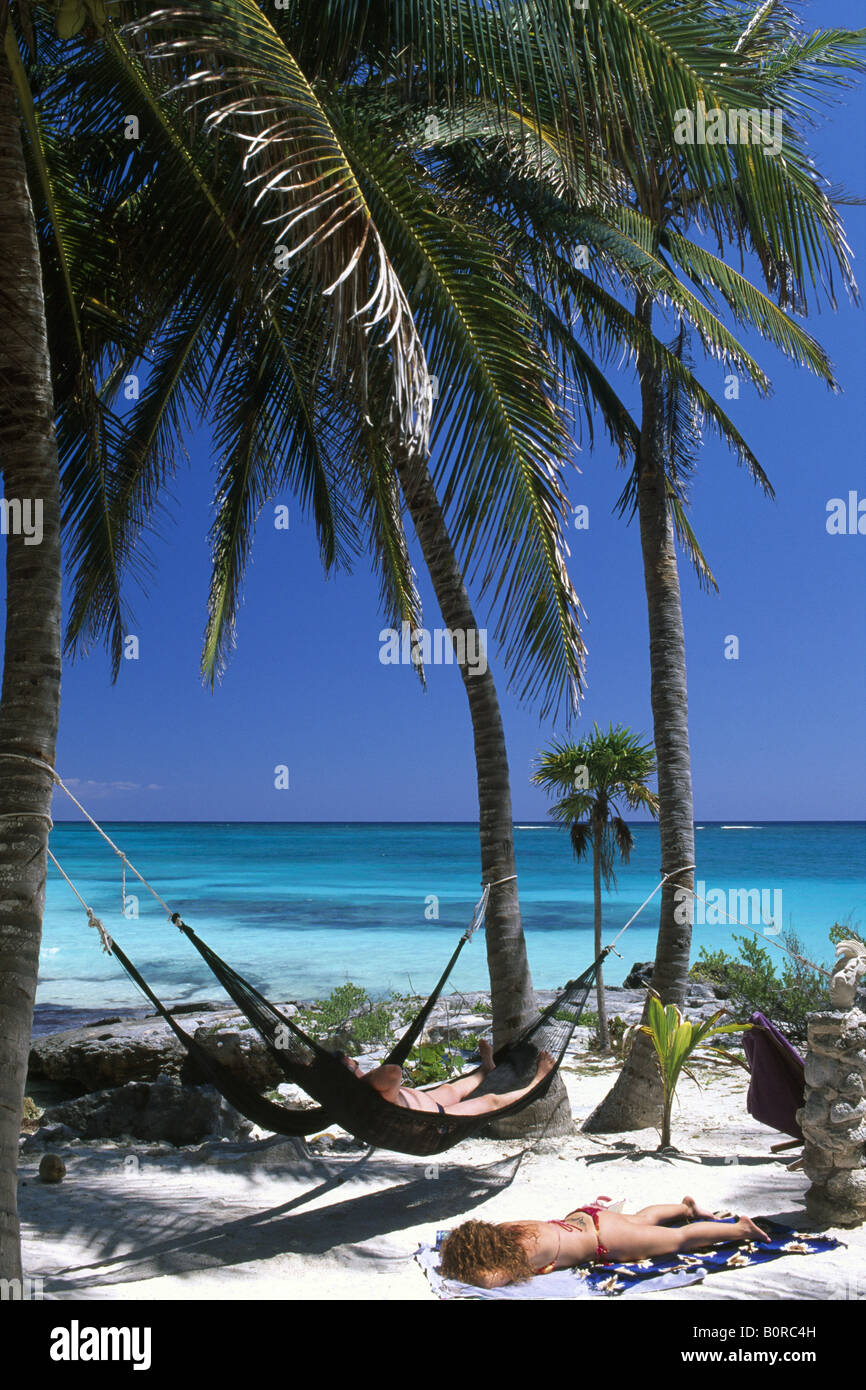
(488, 1255)
(454, 1097)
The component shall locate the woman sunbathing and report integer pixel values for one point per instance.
(488, 1255)
(454, 1097)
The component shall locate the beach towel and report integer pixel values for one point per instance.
(645, 1276)
(777, 1085)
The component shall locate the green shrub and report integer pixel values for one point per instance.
(588, 1019)
(840, 932)
(621, 1037)
(348, 1007)
(430, 1062)
(620, 1044)
(442, 1061)
(751, 982)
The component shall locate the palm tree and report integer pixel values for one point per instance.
(336, 325)
(172, 220)
(30, 698)
(783, 213)
(324, 331)
(591, 777)
(642, 241)
(500, 445)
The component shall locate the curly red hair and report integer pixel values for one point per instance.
(478, 1249)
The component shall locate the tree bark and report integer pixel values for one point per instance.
(636, 1099)
(511, 994)
(601, 1004)
(30, 697)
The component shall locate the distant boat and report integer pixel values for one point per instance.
(741, 827)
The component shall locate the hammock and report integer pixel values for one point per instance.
(347, 1100)
(344, 1098)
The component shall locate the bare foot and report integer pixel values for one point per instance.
(545, 1064)
(696, 1213)
(747, 1230)
(487, 1062)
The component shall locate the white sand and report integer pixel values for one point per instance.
(245, 1221)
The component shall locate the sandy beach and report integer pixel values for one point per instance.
(271, 1219)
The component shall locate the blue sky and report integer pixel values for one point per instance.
(777, 734)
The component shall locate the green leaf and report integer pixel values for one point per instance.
(70, 18)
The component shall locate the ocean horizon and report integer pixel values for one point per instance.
(302, 906)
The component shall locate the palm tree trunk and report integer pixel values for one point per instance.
(30, 697)
(511, 994)
(636, 1098)
(601, 1005)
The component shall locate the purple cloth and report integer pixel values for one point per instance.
(776, 1090)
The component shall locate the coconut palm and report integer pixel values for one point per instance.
(333, 336)
(676, 1041)
(592, 777)
(29, 701)
(783, 213)
(499, 445)
(646, 241)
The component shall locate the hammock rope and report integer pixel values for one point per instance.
(819, 969)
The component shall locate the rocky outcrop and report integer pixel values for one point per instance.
(833, 1118)
(163, 1110)
(112, 1054)
(100, 1055)
(640, 976)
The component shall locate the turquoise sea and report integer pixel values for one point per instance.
(300, 908)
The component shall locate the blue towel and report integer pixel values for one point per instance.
(646, 1276)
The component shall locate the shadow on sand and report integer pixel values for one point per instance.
(165, 1235)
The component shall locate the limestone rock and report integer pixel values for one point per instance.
(640, 976)
(95, 1056)
(833, 1118)
(160, 1110)
(455, 1029)
(241, 1051)
(99, 1056)
(841, 1113)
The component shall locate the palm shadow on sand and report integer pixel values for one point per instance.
(184, 1244)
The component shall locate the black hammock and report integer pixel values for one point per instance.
(346, 1100)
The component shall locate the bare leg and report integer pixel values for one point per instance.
(657, 1215)
(627, 1241)
(696, 1213)
(453, 1092)
(662, 1213)
(481, 1105)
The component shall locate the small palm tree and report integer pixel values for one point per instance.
(593, 776)
(676, 1040)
